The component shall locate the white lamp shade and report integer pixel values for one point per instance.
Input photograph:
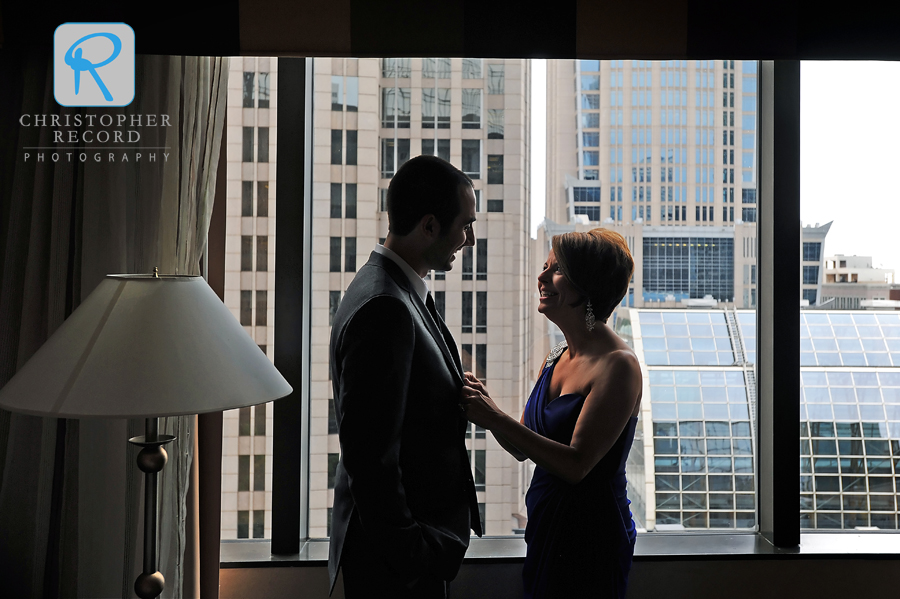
(142, 346)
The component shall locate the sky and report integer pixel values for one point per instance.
(849, 155)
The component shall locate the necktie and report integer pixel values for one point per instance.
(445, 332)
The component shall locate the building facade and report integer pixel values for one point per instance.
(369, 116)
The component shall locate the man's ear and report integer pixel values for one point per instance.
(430, 226)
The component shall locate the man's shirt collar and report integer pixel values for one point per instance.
(415, 280)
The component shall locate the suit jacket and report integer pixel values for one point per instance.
(403, 480)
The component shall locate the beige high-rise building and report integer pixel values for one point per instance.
(665, 153)
(370, 116)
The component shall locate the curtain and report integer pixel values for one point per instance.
(70, 491)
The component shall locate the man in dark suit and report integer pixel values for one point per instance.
(404, 498)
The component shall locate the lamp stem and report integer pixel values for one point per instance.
(151, 460)
(151, 506)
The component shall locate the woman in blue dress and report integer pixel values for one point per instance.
(578, 425)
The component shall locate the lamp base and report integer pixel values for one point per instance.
(148, 586)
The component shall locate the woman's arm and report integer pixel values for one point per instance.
(605, 412)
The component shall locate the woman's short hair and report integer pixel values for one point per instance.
(424, 185)
(597, 263)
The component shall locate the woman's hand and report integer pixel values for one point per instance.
(475, 401)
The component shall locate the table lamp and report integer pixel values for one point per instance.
(145, 346)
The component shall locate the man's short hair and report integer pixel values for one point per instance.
(424, 185)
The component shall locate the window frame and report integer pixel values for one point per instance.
(778, 493)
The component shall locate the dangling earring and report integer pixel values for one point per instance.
(589, 319)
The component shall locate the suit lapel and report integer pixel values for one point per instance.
(438, 331)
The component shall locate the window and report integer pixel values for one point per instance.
(495, 79)
(471, 68)
(812, 251)
(495, 205)
(264, 90)
(471, 158)
(350, 254)
(262, 198)
(395, 67)
(246, 316)
(263, 143)
(466, 311)
(471, 109)
(259, 472)
(248, 90)
(495, 123)
(480, 311)
(247, 145)
(440, 303)
(395, 107)
(467, 263)
(246, 252)
(436, 68)
(246, 198)
(391, 160)
(334, 262)
(481, 245)
(335, 200)
(351, 147)
(261, 308)
(262, 253)
(351, 200)
(495, 169)
(337, 93)
(336, 147)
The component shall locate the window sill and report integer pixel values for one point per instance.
(649, 547)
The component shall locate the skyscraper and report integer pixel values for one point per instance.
(665, 153)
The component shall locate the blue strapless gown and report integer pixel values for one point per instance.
(580, 537)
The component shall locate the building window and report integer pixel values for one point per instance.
(246, 252)
(243, 524)
(262, 198)
(244, 422)
(471, 109)
(350, 254)
(351, 146)
(264, 90)
(471, 158)
(352, 94)
(243, 473)
(246, 198)
(481, 361)
(436, 68)
(350, 201)
(333, 459)
(334, 260)
(259, 523)
(246, 307)
(443, 148)
(261, 307)
(495, 169)
(481, 251)
(495, 123)
(810, 275)
(495, 205)
(466, 311)
(592, 212)
(262, 253)
(810, 296)
(471, 68)
(467, 263)
(748, 215)
(440, 303)
(259, 472)
(812, 251)
(248, 90)
(496, 79)
(335, 200)
(247, 144)
(259, 419)
(481, 311)
(395, 107)
(395, 67)
(391, 160)
(336, 149)
(337, 93)
(263, 143)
